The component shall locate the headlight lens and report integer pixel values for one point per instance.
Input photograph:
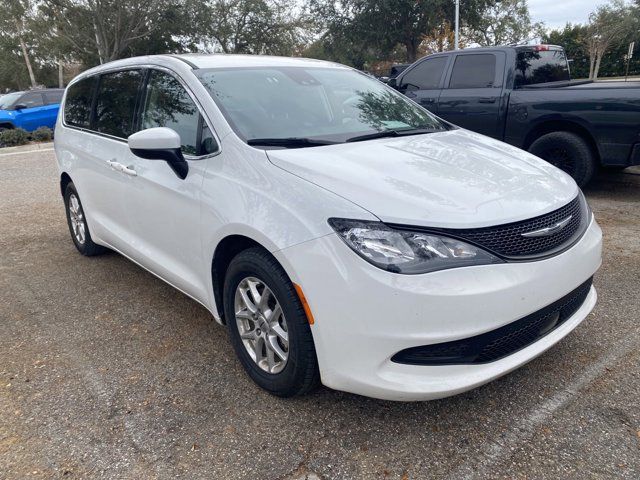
(407, 252)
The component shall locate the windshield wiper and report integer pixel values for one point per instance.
(291, 142)
(392, 133)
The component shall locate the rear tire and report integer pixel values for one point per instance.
(77, 221)
(568, 152)
(252, 335)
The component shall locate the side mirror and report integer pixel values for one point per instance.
(384, 79)
(160, 143)
(393, 82)
(20, 106)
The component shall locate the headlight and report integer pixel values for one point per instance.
(407, 252)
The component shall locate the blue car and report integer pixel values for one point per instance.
(30, 110)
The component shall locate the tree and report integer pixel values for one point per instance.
(249, 26)
(573, 39)
(505, 22)
(607, 25)
(14, 18)
(380, 25)
(103, 30)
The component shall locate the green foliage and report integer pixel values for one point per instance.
(42, 134)
(13, 137)
(573, 39)
(505, 22)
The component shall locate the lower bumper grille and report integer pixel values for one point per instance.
(501, 342)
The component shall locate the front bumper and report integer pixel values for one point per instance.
(364, 315)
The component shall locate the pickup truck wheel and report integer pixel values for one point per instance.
(568, 152)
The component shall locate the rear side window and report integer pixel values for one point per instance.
(77, 107)
(31, 100)
(473, 71)
(169, 105)
(52, 97)
(426, 75)
(116, 103)
(534, 67)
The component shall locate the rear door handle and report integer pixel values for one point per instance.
(487, 100)
(129, 171)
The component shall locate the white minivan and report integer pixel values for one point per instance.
(344, 234)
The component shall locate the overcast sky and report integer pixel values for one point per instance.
(556, 13)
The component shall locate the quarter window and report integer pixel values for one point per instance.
(169, 105)
(426, 75)
(116, 101)
(473, 71)
(77, 106)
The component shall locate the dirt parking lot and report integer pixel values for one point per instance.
(107, 372)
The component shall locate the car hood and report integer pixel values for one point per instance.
(453, 179)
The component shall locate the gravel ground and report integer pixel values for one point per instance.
(107, 372)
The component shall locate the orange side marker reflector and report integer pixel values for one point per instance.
(305, 305)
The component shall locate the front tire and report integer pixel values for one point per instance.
(77, 222)
(568, 152)
(268, 326)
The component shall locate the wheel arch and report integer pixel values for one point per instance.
(562, 125)
(7, 125)
(226, 249)
(65, 180)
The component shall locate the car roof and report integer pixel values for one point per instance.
(215, 60)
(232, 60)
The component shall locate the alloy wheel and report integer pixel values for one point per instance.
(76, 216)
(261, 324)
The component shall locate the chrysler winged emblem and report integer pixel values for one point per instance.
(545, 232)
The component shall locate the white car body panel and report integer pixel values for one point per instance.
(282, 199)
(447, 179)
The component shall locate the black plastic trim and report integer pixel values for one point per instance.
(501, 342)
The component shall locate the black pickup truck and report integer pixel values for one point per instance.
(524, 96)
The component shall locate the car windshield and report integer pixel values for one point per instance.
(9, 99)
(312, 106)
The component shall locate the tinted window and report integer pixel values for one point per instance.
(31, 100)
(541, 67)
(426, 75)
(169, 105)
(77, 107)
(116, 102)
(52, 97)
(473, 71)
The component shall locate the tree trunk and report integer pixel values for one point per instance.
(32, 77)
(597, 67)
(60, 74)
(412, 50)
(592, 63)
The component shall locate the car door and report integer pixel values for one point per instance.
(472, 96)
(52, 99)
(164, 210)
(422, 82)
(102, 152)
(33, 113)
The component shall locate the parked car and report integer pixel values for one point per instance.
(342, 233)
(30, 110)
(523, 95)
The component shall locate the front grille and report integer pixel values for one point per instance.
(503, 341)
(507, 241)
